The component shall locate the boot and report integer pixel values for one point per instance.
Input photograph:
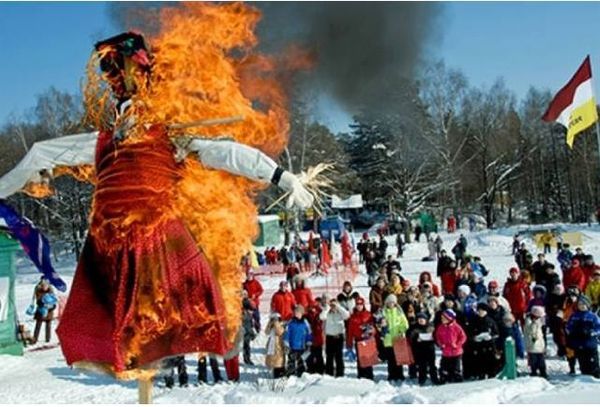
(202, 370)
(48, 331)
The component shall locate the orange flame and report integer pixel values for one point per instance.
(205, 66)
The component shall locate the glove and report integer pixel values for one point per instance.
(299, 195)
(350, 355)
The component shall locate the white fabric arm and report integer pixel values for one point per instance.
(235, 158)
(247, 161)
(78, 149)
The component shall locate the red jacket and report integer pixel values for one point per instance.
(574, 275)
(283, 303)
(434, 287)
(451, 339)
(518, 294)
(355, 324)
(254, 290)
(448, 280)
(304, 297)
(316, 325)
(589, 272)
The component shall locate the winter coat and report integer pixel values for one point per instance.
(517, 293)
(443, 264)
(360, 326)
(467, 305)
(334, 320)
(44, 312)
(574, 276)
(583, 329)
(254, 290)
(376, 299)
(534, 335)
(538, 271)
(297, 334)
(303, 296)
(564, 258)
(347, 300)
(428, 305)
(275, 355)
(396, 325)
(422, 346)
(249, 325)
(392, 289)
(550, 280)
(451, 339)
(589, 272)
(448, 277)
(434, 287)
(483, 330)
(316, 325)
(592, 291)
(513, 331)
(283, 303)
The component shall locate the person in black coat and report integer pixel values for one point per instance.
(443, 262)
(420, 335)
(483, 332)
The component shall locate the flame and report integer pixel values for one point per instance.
(205, 66)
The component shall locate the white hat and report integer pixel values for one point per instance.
(464, 289)
(391, 298)
(538, 311)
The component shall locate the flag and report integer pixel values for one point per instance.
(33, 243)
(574, 105)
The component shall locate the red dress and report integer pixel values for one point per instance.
(142, 289)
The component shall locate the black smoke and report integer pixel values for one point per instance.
(364, 50)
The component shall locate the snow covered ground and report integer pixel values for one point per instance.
(43, 377)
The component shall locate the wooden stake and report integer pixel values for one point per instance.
(145, 390)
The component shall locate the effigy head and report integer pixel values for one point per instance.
(123, 59)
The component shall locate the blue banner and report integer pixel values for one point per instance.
(33, 242)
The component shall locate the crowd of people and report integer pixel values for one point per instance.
(464, 316)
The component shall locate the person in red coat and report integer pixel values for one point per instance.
(302, 294)
(253, 287)
(451, 338)
(283, 302)
(426, 277)
(517, 293)
(574, 276)
(449, 276)
(589, 267)
(361, 326)
(315, 362)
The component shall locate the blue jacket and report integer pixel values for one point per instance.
(564, 258)
(515, 333)
(297, 334)
(583, 329)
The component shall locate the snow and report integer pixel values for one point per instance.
(43, 376)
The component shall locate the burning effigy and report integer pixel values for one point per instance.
(187, 120)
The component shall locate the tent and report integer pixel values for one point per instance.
(9, 344)
(270, 232)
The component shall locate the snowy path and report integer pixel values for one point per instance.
(43, 376)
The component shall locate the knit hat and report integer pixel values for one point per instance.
(584, 299)
(391, 298)
(513, 270)
(422, 315)
(464, 289)
(493, 284)
(360, 301)
(538, 311)
(449, 314)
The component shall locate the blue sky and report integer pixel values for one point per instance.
(540, 44)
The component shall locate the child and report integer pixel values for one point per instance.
(297, 339)
(534, 341)
(275, 358)
(423, 347)
(450, 337)
(583, 330)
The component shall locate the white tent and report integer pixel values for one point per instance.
(46, 155)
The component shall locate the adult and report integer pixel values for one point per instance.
(334, 316)
(283, 302)
(517, 293)
(360, 327)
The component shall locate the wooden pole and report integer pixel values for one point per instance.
(145, 390)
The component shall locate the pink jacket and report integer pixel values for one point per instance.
(451, 339)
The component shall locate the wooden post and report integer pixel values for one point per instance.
(145, 390)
